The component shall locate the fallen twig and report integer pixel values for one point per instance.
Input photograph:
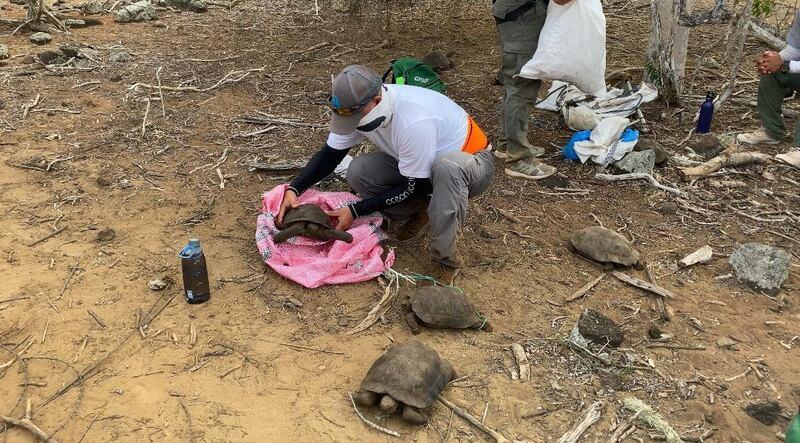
(522, 362)
(231, 77)
(585, 289)
(592, 416)
(682, 347)
(48, 236)
(96, 318)
(376, 312)
(369, 423)
(650, 287)
(498, 437)
(651, 418)
(307, 348)
(728, 159)
(30, 427)
(639, 176)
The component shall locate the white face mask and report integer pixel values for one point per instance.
(380, 115)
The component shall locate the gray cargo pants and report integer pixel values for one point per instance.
(518, 41)
(456, 177)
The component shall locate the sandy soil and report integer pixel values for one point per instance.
(263, 370)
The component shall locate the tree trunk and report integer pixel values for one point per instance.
(666, 53)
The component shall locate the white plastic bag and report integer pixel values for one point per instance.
(604, 145)
(572, 46)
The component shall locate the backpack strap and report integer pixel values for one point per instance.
(516, 13)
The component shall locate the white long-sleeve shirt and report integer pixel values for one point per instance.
(791, 55)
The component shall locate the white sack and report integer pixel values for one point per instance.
(572, 46)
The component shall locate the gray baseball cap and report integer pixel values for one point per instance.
(352, 89)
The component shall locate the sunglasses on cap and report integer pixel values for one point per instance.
(337, 107)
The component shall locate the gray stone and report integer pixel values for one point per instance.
(4, 54)
(157, 284)
(51, 57)
(766, 412)
(725, 343)
(74, 23)
(600, 329)
(189, 5)
(120, 57)
(646, 144)
(706, 145)
(761, 267)
(93, 7)
(137, 12)
(106, 235)
(638, 162)
(41, 38)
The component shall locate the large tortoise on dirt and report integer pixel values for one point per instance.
(407, 377)
(309, 221)
(604, 246)
(442, 307)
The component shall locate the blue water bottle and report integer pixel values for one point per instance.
(706, 114)
(195, 273)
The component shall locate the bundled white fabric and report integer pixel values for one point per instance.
(572, 46)
(604, 145)
(589, 110)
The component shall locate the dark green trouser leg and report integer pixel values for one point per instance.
(519, 97)
(772, 90)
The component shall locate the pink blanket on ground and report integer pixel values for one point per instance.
(313, 263)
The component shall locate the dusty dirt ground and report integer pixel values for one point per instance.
(260, 369)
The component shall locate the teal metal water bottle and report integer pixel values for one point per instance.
(195, 274)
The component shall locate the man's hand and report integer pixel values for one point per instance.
(289, 200)
(561, 2)
(768, 63)
(344, 216)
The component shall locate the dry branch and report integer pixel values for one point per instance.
(498, 437)
(729, 159)
(588, 287)
(765, 36)
(376, 312)
(641, 284)
(638, 176)
(592, 416)
(30, 427)
(369, 423)
(522, 361)
(231, 77)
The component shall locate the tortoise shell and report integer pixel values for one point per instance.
(411, 373)
(604, 245)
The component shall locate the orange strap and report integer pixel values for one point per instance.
(476, 139)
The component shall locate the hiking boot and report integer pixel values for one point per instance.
(414, 228)
(530, 169)
(759, 137)
(501, 154)
(445, 275)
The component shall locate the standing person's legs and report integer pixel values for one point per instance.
(456, 177)
(519, 97)
(375, 173)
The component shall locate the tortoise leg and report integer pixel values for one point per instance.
(365, 398)
(338, 235)
(388, 404)
(287, 233)
(413, 324)
(414, 416)
(640, 265)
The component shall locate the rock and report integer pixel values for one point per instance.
(725, 343)
(646, 144)
(667, 208)
(761, 267)
(189, 5)
(137, 12)
(159, 25)
(74, 23)
(766, 412)
(343, 322)
(706, 145)
(702, 255)
(490, 233)
(4, 54)
(69, 50)
(28, 60)
(93, 7)
(157, 284)
(115, 78)
(19, 2)
(51, 57)
(600, 329)
(292, 302)
(103, 181)
(120, 57)
(637, 162)
(40, 38)
(106, 235)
